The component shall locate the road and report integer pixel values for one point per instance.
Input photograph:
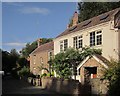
(15, 86)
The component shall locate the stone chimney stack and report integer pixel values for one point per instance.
(75, 18)
(39, 41)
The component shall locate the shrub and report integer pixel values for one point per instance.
(112, 74)
(43, 75)
(31, 75)
(24, 71)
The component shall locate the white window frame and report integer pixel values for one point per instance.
(78, 42)
(49, 56)
(62, 45)
(97, 33)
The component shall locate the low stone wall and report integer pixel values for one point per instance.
(99, 87)
(61, 86)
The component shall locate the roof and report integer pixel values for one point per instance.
(103, 61)
(105, 17)
(44, 47)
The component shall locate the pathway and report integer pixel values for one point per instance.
(14, 86)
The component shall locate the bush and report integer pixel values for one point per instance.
(52, 73)
(31, 75)
(43, 75)
(112, 74)
(24, 71)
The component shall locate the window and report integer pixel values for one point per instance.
(99, 37)
(41, 60)
(95, 38)
(103, 17)
(63, 45)
(92, 39)
(77, 42)
(49, 55)
(34, 59)
(86, 23)
(80, 42)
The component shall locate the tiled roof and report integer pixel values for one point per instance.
(91, 22)
(97, 57)
(44, 47)
(103, 59)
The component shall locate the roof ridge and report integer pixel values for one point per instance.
(41, 46)
(114, 10)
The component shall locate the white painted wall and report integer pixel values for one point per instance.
(109, 39)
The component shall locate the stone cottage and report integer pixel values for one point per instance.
(40, 56)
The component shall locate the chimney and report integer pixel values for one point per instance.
(39, 41)
(75, 19)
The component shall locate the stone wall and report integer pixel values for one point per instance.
(61, 86)
(98, 86)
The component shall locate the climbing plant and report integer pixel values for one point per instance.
(65, 63)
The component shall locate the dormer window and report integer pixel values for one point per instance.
(86, 23)
(73, 28)
(103, 17)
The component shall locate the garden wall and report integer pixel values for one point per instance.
(61, 86)
(98, 86)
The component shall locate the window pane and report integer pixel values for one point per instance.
(61, 46)
(92, 39)
(75, 42)
(99, 39)
(65, 44)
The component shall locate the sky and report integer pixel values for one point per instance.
(24, 22)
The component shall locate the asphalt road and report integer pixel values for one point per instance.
(16, 87)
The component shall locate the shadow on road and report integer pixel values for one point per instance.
(12, 86)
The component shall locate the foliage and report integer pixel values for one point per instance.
(87, 51)
(65, 63)
(112, 74)
(22, 62)
(32, 46)
(6, 66)
(31, 75)
(14, 55)
(43, 75)
(61, 67)
(42, 68)
(95, 8)
(9, 60)
(25, 71)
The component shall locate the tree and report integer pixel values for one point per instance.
(6, 66)
(9, 61)
(94, 9)
(32, 46)
(14, 55)
(112, 74)
(22, 62)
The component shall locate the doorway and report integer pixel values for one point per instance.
(90, 73)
